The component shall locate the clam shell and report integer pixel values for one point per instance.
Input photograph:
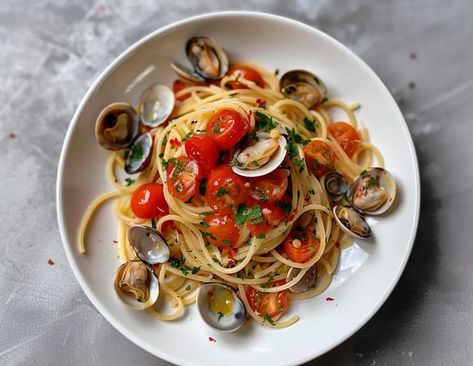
(148, 244)
(355, 225)
(307, 282)
(157, 104)
(140, 154)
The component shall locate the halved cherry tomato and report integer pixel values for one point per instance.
(227, 127)
(270, 187)
(225, 189)
(273, 215)
(247, 73)
(148, 201)
(346, 136)
(177, 86)
(270, 303)
(183, 177)
(202, 149)
(308, 241)
(320, 158)
(221, 230)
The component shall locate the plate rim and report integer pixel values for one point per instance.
(130, 50)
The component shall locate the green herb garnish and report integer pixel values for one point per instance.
(245, 214)
(267, 318)
(129, 181)
(188, 134)
(265, 122)
(222, 191)
(203, 186)
(311, 125)
(220, 315)
(260, 236)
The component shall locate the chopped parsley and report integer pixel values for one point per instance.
(165, 139)
(260, 236)
(265, 122)
(136, 152)
(267, 318)
(220, 315)
(228, 86)
(129, 181)
(286, 207)
(195, 270)
(241, 276)
(300, 163)
(261, 194)
(204, 224)
(203, 186)
(206, 234)
(373, 181)
(179, 263)
(276, 72)
(246, 214)
(221, 191)
(227, 241)
(364, 174)
(216, 127)
(186, 137)
(153, 223)
(233, 95)
(311, 125)
(176, 262)
(217, 261)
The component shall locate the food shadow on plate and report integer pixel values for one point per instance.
(396, 316)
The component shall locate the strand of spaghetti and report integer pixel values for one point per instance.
(277, 325)
(337, 103)
(90, 212)
(321, 287)
(268, 270)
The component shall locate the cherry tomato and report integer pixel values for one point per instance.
(309, 244)
(225, 189)
(202, 149)
(227, 127)
(270, 187)
(183, 178)
(270, 303)
(148, 201)
(320, 158)
(221, 230)
(247, 73)
(346, 136)
(273, 215)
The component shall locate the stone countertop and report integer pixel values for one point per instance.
(51, 52)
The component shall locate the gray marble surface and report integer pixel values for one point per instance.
(50, 53)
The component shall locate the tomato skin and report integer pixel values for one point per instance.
(183, 178)
(272, 215)
(148, 201)
(309, 245)
(177, 86)
(202, 149)
(247, 73)
(346, 136)
(320, 158)
(227, 127)
(224, 232)
(270, 187)
(271, 303)
(225, 189)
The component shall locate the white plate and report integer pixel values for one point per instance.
(367, 274)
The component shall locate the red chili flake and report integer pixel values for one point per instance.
(329, 299)
(260, 102)
(115, 241)
(13, 135)
(413, 55)
(231, 263)
(147, 128)
(175, 143)
(337, 244)
(50, 262)
(212, 340)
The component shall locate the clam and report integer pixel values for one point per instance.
(220, 307)
(136, 285)
(148, 244)
(307, 281)
(157, 103)
(304, 87)
(208, 59)
(352, 222)
(139, 155)
(186, 73)
(373, 191)
(116, 126)
(335, 185)
(261, 158)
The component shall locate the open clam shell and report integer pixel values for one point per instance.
(351, 222)
(140, 154)
(116, 126)
(136, 285)
(306, 283)
(303, 86)
(148, 244)
(335, 185)
(220, 307)
(373, 191)
(207, 57)
(157, 104)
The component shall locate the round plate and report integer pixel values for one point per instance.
(368, 271)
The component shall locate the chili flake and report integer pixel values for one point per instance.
(329, 299)
(50, 262)
(175, 143)
(212, 340)
(12, 135)
(115, 241)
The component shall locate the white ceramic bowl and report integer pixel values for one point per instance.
(367, 273)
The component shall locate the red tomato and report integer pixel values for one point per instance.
(272, 215)
(270, 303)
(320, 158)
(346, 136)
(270, 187)
(225, 189)
(177, 86)
(183, 178)
(309, 244)
(247, 73)
(227, 127)
(221, 230)
(202, 149)
(148, 201)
